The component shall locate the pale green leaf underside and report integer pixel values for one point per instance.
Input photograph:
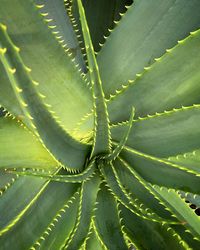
(20, 148)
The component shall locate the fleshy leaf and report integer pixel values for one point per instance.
(38, 216)
(101, 142)
(142, 35)
(161, 236)
(87, 200)
(166, 134)
(171, 82)
(63, 222)
(65, 149)
(107, 222)
(53, 68)
(21, 148)
(55, 10)
(160, 172)
(181, 210)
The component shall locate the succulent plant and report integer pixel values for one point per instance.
(99, 150)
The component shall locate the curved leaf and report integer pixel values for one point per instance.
(166, 134)
(142, 35)
(147, 234)
(55, 10)
(160, 172)
(67, 150)
(107, 222)
(20, 148)
(171, 82)
(59, 79)
(101, 142)
(38, 216)
(181, 210)
(87, 200)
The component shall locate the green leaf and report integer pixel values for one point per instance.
(181, 210)
(157, 171)
(112, 156)
(142, 36)
(39, 214)
(55, 10)
(7, 181)
(128, 199)
(187, 236)
(147, 234)
(67, 151)
(141, 192)
(171, 82)
(93, 242)
(87, 200)
(53, 68)
(20, 148)
(188, 159)
(101, 143)
(100, 15)
(191, 198)
(22, 195)
(106, 221)
(60, 227)
(72, 178)
(166, 134)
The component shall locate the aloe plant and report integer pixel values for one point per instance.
(99, 150)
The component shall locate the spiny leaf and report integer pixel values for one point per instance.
(147, 234)
(167, 134)
(54, 10)
(188, 159)
(121, 194)
(92, 242)
(101, 143)
(73, 178)
(171, 82)
(88, 195)
(22, 194)
(101, 16)
(43, 210)
(69, 152)
(191, 198)
(55, 234)
(122, 143)
(107, 222)
(134, 42)
(181, 210)
(141, 191)
(60, 81)
(160, 172)
(20, 148)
